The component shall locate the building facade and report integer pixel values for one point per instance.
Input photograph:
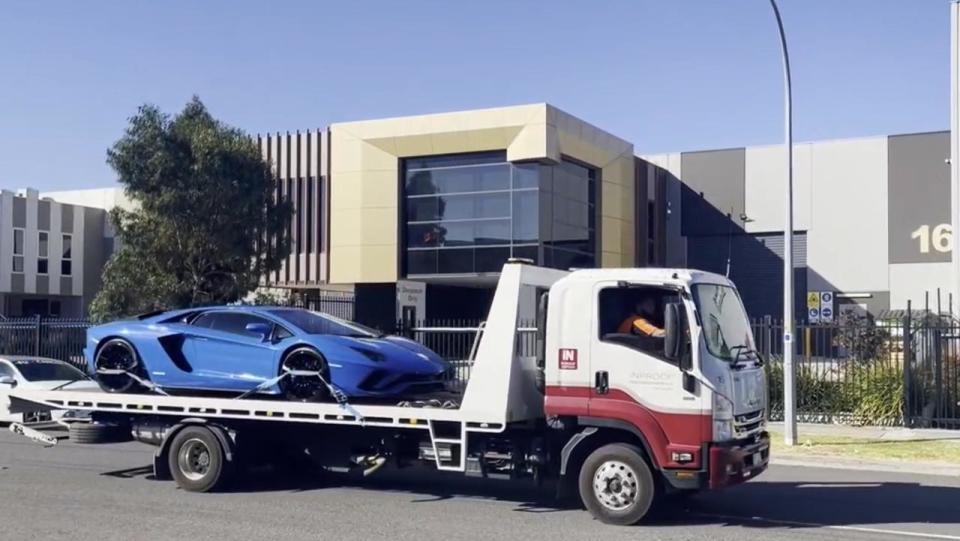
(51, 255)
(437, 203)
(871, 217)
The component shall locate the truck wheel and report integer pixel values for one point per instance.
(197, 460)
(118, 354)
(616, 485)
(98, 433)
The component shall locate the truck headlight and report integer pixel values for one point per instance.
(722, 418)
(722, 430)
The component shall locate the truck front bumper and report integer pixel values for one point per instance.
(735, 462)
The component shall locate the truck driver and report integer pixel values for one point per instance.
(641, 322)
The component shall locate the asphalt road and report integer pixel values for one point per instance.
(105, 492)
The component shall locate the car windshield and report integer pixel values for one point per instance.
(47, 370)
(320, 323)
(725, 326)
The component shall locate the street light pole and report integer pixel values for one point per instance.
(789, 385)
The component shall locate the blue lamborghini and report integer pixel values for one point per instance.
(290, 352)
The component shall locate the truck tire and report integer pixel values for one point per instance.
(616, 484)
(98, 433)
(197, 460)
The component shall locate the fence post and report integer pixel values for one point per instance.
(907, 362)
(37, 322)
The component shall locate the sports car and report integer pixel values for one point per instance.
(290, 352)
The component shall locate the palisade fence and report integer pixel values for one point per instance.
(55, 338)
(901, 369)
(456, 340)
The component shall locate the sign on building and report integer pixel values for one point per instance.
(826, 307)
(813, 307)
(411, 301)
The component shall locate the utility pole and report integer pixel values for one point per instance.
(789, 385)
(955, 154)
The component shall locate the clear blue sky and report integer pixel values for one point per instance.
(665, 74)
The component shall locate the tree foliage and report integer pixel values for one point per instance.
(205, 206)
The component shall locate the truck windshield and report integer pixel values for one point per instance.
(725, 325)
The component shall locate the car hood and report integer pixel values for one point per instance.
(390, 352)
(79, 385)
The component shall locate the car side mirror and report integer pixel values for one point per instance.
(675, 335)
(8, 380)
(262, 329)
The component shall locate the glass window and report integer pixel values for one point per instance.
(18, 241)
(318, 323)
(43, 266)
(42, 245)
(66, 267)
(67, 246)
(18, 263)
(469, 204)
(47, 370)
(5, 370)
(726, 328)
(231, 322)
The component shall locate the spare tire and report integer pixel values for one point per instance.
(98, 433)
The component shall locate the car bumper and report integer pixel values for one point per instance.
(736, 462)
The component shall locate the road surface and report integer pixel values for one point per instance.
(105, 492)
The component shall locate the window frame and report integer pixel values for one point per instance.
(657, 354)
(43, 252)
(66, 256)
(18, 256)
(269, 321)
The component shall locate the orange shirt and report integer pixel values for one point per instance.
(638, 325)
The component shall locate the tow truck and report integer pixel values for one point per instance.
(623, 419)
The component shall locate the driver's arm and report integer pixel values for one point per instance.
(643, 326)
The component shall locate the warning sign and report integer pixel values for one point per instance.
(813, 307)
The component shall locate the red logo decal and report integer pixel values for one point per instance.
(568, 359)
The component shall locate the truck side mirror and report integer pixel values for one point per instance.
(8, 380)
(675, 335)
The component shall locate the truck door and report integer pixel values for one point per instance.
(634, 382)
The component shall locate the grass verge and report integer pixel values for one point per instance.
(943, 451)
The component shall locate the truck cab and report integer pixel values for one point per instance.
(686, 388)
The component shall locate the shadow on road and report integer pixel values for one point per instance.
(801, 504)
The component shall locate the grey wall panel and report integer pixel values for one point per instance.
(756, 266)
(16, 283)
(713, 188)
(43, 215)
(43, 284)
(66, 285)
(19, 212)
(919, 197)
(66, 218)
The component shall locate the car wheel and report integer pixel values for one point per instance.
(616, 484)
(304, 388)
(98, 433)
(118, 354)
(197, 460)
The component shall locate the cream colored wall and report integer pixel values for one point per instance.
(365, 162)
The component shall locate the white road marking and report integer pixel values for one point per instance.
(861, 529)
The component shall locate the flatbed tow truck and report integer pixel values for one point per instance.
(624, 420)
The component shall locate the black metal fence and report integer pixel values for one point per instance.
(903, 370)
(56, 338)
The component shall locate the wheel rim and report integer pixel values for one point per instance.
(303, 386)
(116, 356)
(615, 485)
(194, 459)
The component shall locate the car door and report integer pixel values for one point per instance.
(6, 370)
(225, 356)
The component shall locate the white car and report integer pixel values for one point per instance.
(27, 372)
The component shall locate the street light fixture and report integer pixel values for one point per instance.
(789, 385)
